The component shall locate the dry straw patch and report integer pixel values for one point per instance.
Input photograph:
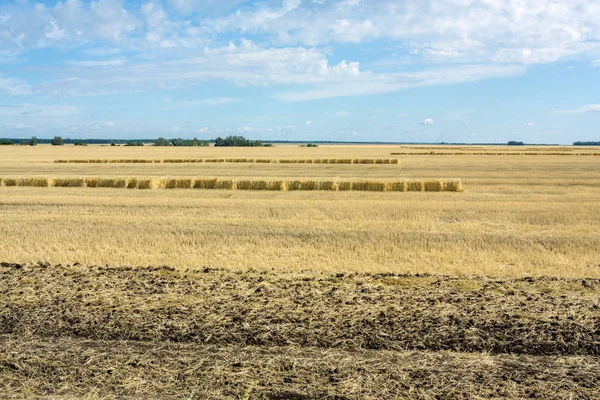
(68, 182)
(178, 184)
(33, 182)
(205, 183)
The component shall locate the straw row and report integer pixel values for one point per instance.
(537, 153)
(402, 185)
(239, 160)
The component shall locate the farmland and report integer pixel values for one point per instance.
(297, 294)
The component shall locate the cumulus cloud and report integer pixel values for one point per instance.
(308, 123)
(466, 40)
(427, 121)
(528, 124)
(108, 124)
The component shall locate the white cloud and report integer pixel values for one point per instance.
(589, 108)
(341, 114)
(245, 129)
(464, 40)
(371, 83)
(98, 63)
(427, 121)
(176, 128)
(108, 124)
(16, 126)
(15, 87)
(207, 102)
(204, 129)
(528, 124)
(308, 123)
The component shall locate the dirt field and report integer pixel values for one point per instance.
(191, 294)
(159, 332)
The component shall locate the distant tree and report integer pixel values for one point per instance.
(80, 143)
(57, 141)
(237, 141)
(514, 143)
(133, 143)
(586, 144)
(33, 141)
(309, 145)
(189, 143)
(113, 144)
(6, 142)
(161, 141)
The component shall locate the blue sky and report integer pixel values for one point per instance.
(351, 70)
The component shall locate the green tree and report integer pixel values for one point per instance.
(161, 141)
(57, 141)
(33, 141)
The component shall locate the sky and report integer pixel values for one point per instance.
(344, 70)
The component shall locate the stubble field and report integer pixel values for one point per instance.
(116, 293)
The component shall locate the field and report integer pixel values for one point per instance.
(493, 292)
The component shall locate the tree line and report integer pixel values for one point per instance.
(161, 141)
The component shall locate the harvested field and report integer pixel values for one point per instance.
(355, 283)
(168, 332)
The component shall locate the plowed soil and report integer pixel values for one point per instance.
(71, 331)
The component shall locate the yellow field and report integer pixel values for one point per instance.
(519, 216)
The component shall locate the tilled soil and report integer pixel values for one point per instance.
(72, 330)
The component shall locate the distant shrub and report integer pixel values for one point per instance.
(132, 143)
(80, 143)
(6, 142)
(513, 143)
(309, 145)
(57, 141)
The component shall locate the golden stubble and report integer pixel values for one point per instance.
(520, 216)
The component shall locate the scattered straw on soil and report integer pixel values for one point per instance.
(525, 316)
(73, 331)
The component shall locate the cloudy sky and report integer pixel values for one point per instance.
(352, 70)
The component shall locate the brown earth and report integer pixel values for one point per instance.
(72, 331)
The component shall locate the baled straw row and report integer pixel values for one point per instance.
(238, 160)
(401, 185)
(489, 153)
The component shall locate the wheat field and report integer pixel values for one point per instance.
(519, 216)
